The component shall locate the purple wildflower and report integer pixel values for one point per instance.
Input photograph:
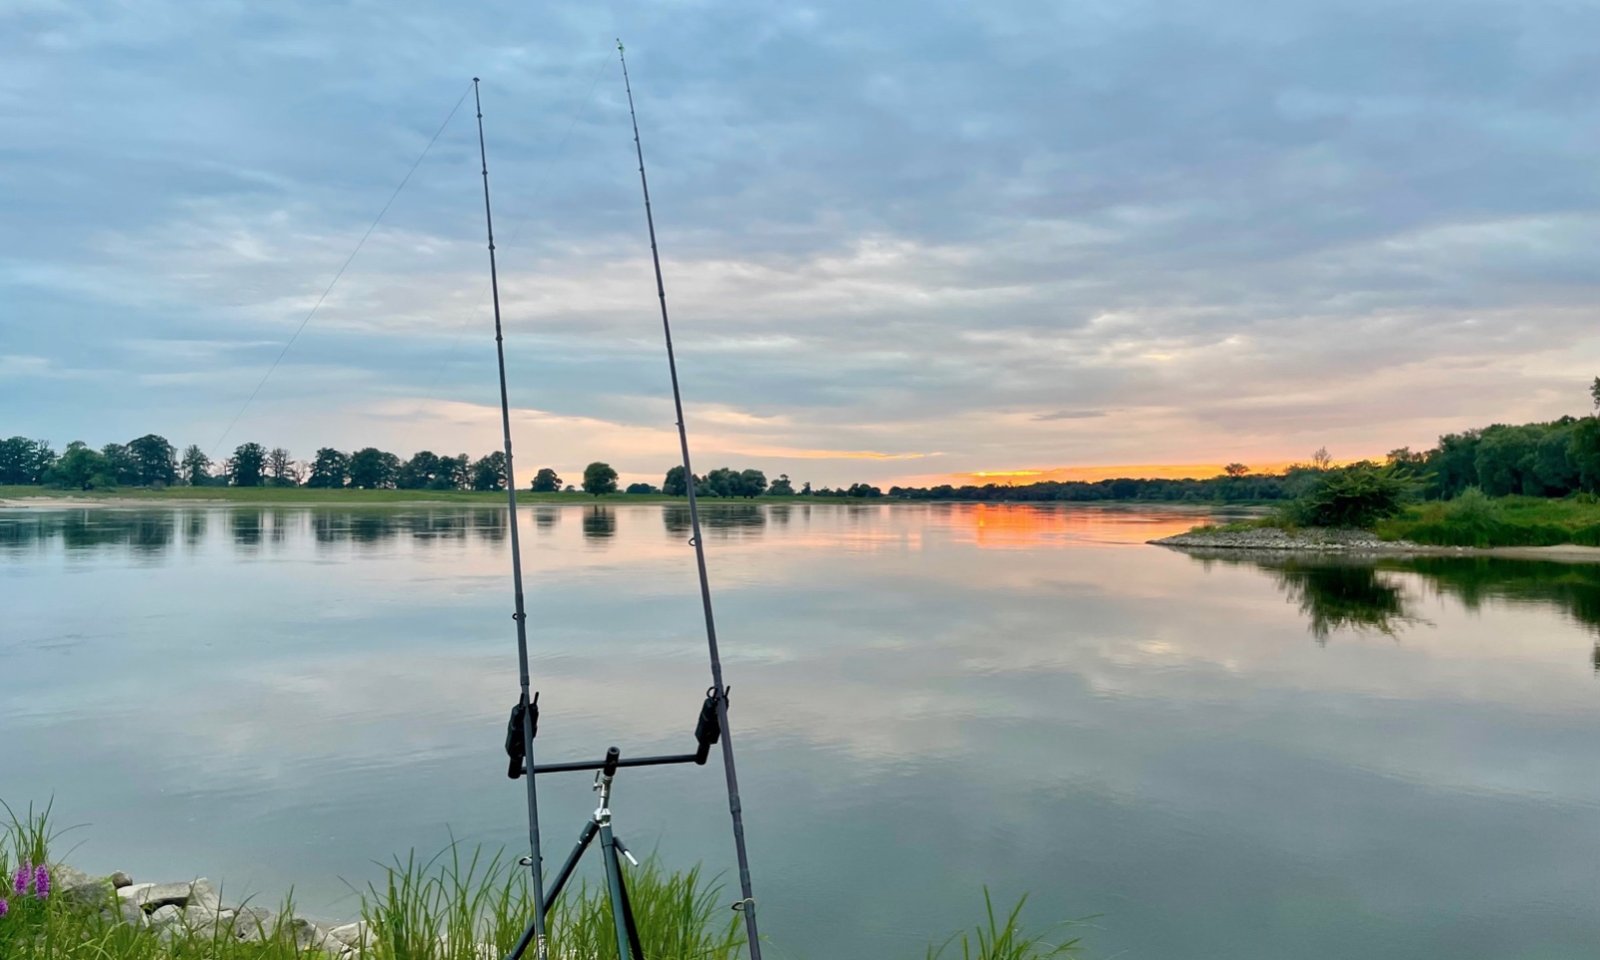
(41, 882)
(24, 876)
(4, 906)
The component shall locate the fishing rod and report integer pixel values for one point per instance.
(719, 692)
(524, 721)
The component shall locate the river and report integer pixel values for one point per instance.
(1199, 758)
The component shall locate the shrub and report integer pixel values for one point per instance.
(1358, 496)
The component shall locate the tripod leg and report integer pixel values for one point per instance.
(627, 912)
(619, 910)
(589, 830)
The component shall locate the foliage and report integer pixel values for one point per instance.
(1356, 496)
(373, 469)
(781, 487)
(330, 470)
(489, 472)
(997, 939)
(81, 468)
(640, 489)
(25, 461)
(545, 481)
(154, 461)
(247, 465)
(196, 466)
(599, 478)
(462, 904)
(1476, 520)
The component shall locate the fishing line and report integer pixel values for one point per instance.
(343, 267)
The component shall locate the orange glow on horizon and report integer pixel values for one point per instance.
(1090, 474)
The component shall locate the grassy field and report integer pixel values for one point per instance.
(462, 904)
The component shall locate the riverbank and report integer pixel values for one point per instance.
(461, 904)
(1263, 539)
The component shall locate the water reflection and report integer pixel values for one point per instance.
(599, 523)
(1350, 594)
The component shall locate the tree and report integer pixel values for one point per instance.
(641, 488)
(329, 470)
(82, 468)
(489, 472)
(1594, 393)
(245, 466)
(863, 490)
(599, 478)
(373, 469)
(781, 487)
(24, 461)
(282, 469)
(120, 463)
(545, 481)
(673, 485)
(455, 473)
(805, 489)
(1321, 460)
(154, 460)
(752, 483)
(1236, 469)
(196, 466)
(721, 482)
(418, 472)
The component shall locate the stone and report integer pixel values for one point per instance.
(88, 893)
(63, 877)
(253, 923)
(353, 934)
(120, 880)
(309, 936)
(202, 894)
(166, 915)
(131, 913)
(164, 895)
(134, 892)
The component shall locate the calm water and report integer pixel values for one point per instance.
(1213, 758)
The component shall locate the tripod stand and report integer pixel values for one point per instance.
(708, 730)
(611, 848)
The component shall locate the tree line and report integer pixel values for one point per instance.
(1548, 459)
(153, 461)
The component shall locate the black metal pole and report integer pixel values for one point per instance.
(735, 809)
(541, 942)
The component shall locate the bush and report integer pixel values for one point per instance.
(1358, 496)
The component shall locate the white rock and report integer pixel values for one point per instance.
(203, 895)
(134, 892)
(165, 894)
(166, 914)
(353, 934)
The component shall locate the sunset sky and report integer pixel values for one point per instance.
(901, 240)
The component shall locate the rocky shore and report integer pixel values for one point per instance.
(1304, 540)
(195, 908)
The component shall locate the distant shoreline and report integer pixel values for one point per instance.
(44, 498)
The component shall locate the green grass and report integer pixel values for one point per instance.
(462, 904)
(1470, 520)
(1474, 520)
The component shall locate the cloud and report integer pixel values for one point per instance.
(1015, 233)
(1069, 415)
